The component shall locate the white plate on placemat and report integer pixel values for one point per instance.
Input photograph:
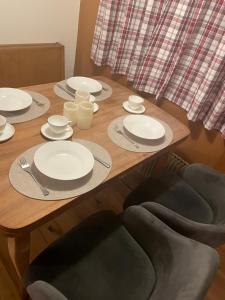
(84, 83)
(14, 99)
(64, 160)
(144, 127)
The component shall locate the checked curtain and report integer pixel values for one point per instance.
(170, 48)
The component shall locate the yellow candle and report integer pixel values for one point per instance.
(85, 115)
(70, 111)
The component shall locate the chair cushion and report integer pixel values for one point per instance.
(98, 260)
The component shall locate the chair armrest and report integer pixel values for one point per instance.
(41, 290)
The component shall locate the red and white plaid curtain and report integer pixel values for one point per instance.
(170, 48)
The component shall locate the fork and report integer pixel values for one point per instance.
(118, 130)
(38, 103)
(26, 167)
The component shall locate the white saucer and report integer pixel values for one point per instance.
(133, 111)
(7, 133)
(46, 131)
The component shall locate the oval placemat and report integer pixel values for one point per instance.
(103, 95)
(39, 107)
(59, 190)
(140, 145)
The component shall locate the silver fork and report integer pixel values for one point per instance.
(26, 167)
(118, 130)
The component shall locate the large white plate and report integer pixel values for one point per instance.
(144, 127)
(84, 83)
(14, 99)
(64, 160)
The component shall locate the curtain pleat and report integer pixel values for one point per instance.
(173, 49)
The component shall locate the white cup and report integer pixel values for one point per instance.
(81, 96)
(3, 122)
(135, 102)
(58, 124)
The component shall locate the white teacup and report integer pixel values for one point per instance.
(58, 124)
(81, 96)
(135, 102)
(3, 122)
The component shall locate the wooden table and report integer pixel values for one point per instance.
(20, 215)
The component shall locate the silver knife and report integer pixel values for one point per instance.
(102, 162)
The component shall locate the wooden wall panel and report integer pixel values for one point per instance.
(28, 64)
(202, 146)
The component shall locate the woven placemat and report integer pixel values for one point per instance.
(24, 184)
(32, 112)
(103, 95)
(141, 145)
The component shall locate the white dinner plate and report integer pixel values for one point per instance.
(14, 99)
(84, 83)
(64, 160)
(144, 127)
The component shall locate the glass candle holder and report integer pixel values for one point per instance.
(70, 111)
(81, 96)
(85, 115)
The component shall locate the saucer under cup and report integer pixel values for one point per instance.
(7, 133)
(141, 109)
(49, 134)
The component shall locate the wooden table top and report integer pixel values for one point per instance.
(18, 212)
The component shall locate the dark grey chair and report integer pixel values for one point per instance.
(193, 204)
(139, 259)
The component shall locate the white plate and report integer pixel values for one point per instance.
(141, 110)
(84, 83)
(14, 99)
(144, 127)
(7, 133)
(46, 131)
(64, 160)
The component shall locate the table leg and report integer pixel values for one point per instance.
(11, 279)
(22, 251)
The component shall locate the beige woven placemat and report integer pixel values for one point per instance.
(24, 184)
(32, 112)
(141, 144)
(103, 95)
